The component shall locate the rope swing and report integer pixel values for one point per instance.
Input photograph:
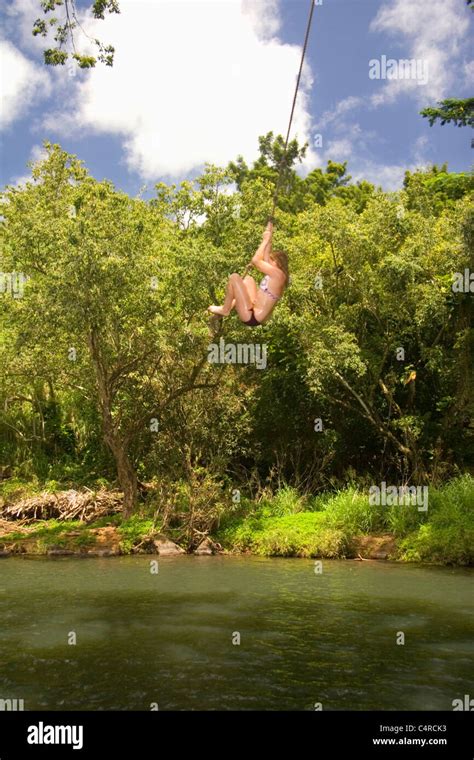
(280, 168)
(282, 160)
(217, 317)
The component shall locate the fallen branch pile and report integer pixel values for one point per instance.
(65, 505)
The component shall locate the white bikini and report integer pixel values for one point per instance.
(265, 288)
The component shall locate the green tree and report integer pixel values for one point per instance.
(100, 303)
(125, 283)
(459, 112)
(435, 188)
(64, 29)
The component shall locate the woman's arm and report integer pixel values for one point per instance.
(262, 253)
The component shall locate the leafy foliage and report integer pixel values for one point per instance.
(459, 112)
(104, 357)
(443, 535)
(63, 30)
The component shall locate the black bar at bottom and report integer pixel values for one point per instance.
(150, 734)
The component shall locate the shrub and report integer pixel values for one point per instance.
(447, 536)
(286, 501)
(133, 530)
(305, 534)
(297, 536)
(350, 511)
(452, 545)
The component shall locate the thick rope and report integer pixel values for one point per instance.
(280, 167)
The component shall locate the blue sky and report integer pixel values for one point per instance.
(197, 81)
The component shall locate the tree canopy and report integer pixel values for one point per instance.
(104, 350)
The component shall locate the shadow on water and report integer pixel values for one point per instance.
(168, 638)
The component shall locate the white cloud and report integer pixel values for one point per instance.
(340, 150)
(264, 17)
(389, 177)
(362, 166)
(349, 143)
(420, 149)
(468, 74)
(38, 153)
(356, 147)
(22, 83)
(342, 108)
(434, 33)
(18, 19)
(192, 82)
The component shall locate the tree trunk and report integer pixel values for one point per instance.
(126, 474)
(115, 441)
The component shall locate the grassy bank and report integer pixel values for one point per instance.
(108, 535)
(332, 525)
(287, 524)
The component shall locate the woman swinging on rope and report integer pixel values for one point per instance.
(255, 305)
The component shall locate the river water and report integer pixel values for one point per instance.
(169, 638)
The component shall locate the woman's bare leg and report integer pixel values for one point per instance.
(251, 286)
(237, 296)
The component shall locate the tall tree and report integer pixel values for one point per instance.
(100, 303)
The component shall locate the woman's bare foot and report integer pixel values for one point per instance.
(218, 311)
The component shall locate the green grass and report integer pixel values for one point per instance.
(53, 528)
(14, 489)
(113, 520)
(439, 545)
(85, 539)
(49, 530)
(290, 525)
(133, 530)
(304, 534)
(15, 535)
(49, 542)
(51, 533)
(350, 511)
(447, 536)
(287, 501)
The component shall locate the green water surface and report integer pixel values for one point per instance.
(167, 638)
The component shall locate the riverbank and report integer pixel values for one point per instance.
(287, 524)
(344, 524)
(103, 539)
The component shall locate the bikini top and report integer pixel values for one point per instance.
(264, 287)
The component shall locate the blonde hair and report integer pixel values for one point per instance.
(281, 260)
